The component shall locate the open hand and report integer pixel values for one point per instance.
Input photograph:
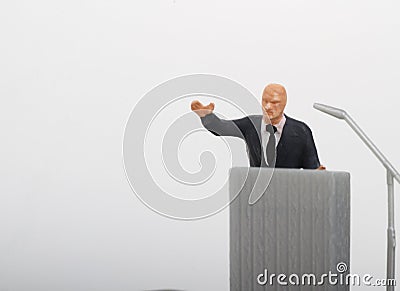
(200, 109)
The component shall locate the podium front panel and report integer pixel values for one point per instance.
(300, 227)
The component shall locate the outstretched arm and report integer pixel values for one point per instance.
(214, 124)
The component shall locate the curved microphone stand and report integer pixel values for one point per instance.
(391, 174)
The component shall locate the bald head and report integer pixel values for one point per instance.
(274, 100)
(275, 89)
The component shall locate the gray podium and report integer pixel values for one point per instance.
(300, 225)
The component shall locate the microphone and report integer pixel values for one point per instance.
(341, 114)
(335, 112)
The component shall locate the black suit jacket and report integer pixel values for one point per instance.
(296, 148)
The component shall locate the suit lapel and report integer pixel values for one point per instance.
(287, 134)
(281, 150)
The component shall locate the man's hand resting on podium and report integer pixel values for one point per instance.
(200, 109)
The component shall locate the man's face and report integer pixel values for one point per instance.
(274, 102)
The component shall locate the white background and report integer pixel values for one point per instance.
(71, 72)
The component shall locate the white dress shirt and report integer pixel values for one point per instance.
(265, 133)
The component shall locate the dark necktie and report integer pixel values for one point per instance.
(270, 150)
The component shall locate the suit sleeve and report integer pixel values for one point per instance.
(223, 127)
(310, 156)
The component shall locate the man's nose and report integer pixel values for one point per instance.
(267, 106)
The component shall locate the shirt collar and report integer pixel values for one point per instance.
(279, 126)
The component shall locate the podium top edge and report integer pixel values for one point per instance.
(254, 169)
